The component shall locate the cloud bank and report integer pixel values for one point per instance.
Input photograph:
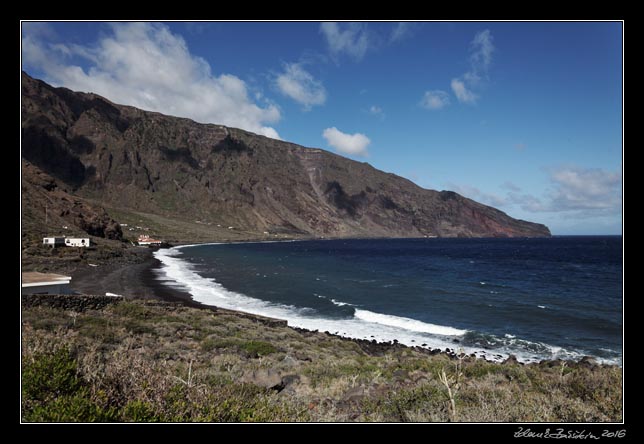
(351, 144)
(583, 192)
(588, 190)
(147, 66)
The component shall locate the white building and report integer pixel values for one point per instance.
(77, 241)
(45, 283)
(53, 241)
(67, 241)
(145, 240)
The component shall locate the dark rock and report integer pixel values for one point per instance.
(39, 190)
(551, 363)
(302, 357)
(290, 379)
(289, 382)
(267, 378)
(587, 362)
(511, 360)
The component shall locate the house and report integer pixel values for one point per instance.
(66, 241)
(45, 283)
(77, 241)
(145, 240)
(53, 241)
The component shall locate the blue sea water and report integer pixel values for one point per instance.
(559, 297)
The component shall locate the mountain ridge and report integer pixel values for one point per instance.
(136, 160)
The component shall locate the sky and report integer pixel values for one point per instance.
(523, 116)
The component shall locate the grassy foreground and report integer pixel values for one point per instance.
(142, 362)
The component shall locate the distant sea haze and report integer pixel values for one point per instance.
(548, 298)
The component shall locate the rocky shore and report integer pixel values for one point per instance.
(137, 358)
(150, 360)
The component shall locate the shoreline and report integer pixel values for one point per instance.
(132, 281)
(139, 281)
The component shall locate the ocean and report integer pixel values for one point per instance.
(558, 297)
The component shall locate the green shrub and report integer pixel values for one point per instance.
(259, 348)
(48, 376)
(210, 344)
(426, 400)
(71, 408)
(53, 392)
(479, 368)
(138, 328)
(139, 411)
(131, 310)
(228, 403)
(96, 328)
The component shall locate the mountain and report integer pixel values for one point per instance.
(133, 161)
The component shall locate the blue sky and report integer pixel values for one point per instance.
(523, 116)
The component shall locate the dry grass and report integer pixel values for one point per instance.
(138, 362)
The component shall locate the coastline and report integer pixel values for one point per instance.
(159, 344)
(139, 282)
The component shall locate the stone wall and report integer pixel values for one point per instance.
(73, 302)
(82, 302)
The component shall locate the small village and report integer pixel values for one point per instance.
(51, 283)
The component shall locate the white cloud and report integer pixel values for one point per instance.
(586, 189)
(478, 195)
(147, 66)
(298, 84)
(435, 99)
(375, 110)
(510, 186)
(352, 144)
(589, 192)
(348, 38)
(527, 202)
(481, 50)
(401, 31)
(461, 92)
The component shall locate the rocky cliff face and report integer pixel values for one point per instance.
(46, 206)
(129, 158)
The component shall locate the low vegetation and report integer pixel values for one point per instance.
(138, 362)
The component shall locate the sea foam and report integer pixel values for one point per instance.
(407, 324)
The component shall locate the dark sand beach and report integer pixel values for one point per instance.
(132, 281)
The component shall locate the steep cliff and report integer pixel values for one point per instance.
(131, 159)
